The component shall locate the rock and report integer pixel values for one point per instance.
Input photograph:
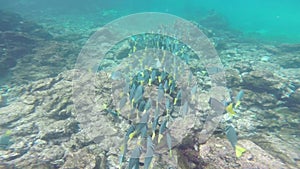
(233, 78)
(295, 97)
(287, 55)
(14, 112)
(263, 99)
(243, 67)
(82, 159)
(218, 153)
(18, 38)
(266, 81)
(3, 100)
(289, 47)
(280, 146)
(14, 22)
(256, 157)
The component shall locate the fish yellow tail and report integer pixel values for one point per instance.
(153, 135)
(239, 151)
(160, 136)
(237, 104)
(230, 110)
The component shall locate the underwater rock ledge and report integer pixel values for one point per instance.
(45, 134)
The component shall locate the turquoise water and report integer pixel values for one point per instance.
(66, 102)
(269, 20)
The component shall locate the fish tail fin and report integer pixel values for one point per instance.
(239, 151)
(153, 135)
(237, 104)
(160, 136)
(170, 154)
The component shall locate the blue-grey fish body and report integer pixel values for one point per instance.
(231, 136)
(239, 96)
(149, 153)
(134, 159)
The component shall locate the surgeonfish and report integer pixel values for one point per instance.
(178, 97)
(172, 87)
(152, 77)
(123, 151)
(122, 103)
(134, 160)
(160, 94)
(124, 147)
(167, 104)
(129, 131)
(149, 153)
(166, 86)
(190, 78)
(230, 110)
(185, 109)
(148, 105)
(138, 94)
(117, 75)
(169, 143)
(193, 92)
(5, 140)
(238, 98)
(162, 129)
(155, 122)
(232, 137)
(163, 75)
(131, 92)
(141, 127)
(237, 102)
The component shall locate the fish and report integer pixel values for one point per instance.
(186, 58)
(149, 153)
(163, 75)
(169, 143)
(167, 104)
(178, 97)
(232, 137)
(193, 92)
(217, 106)
(146, 76)
(123, 151)
(162, 129)
(160, 94)
(141, 105)
(126, 88)
(185, 109)
(148, 105)
(141, 127)
(131, 92)
(141, 78)
(138, 94)
(114, 113)
(117, 75)
(229, 109)
(172, 87)
(5, 140)
(155, 122)
(134, 160)
(166, 86)
(175, 72)
(190, 78)
(152, 77)
(238, 98)
(122, 103)
(129, 131)
(134, 48)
